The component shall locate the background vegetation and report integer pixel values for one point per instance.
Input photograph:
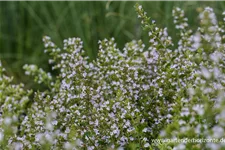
(23, 24)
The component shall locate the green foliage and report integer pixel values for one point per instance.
(125, 98)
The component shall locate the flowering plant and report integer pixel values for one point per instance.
(124, 98)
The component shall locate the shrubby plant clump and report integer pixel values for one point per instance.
(124, 98)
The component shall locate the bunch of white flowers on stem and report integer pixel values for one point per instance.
(124, 98)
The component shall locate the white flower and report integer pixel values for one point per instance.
(38, 137)
(18, 146)
(139, 7)
(180, 147)
(205, 73)
(8, 121)
(199, 109)
(79, 142)
(146, 145)
(67, 145)
(49, 126)
(144, 130)
(218, 132)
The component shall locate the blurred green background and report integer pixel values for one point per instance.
(23, 24)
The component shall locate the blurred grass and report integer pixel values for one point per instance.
(23, 24)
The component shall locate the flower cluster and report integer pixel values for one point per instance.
(124, 98)
(202, 114)
(13, 105)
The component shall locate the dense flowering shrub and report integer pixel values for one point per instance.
(124, 98)
(13, 102)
